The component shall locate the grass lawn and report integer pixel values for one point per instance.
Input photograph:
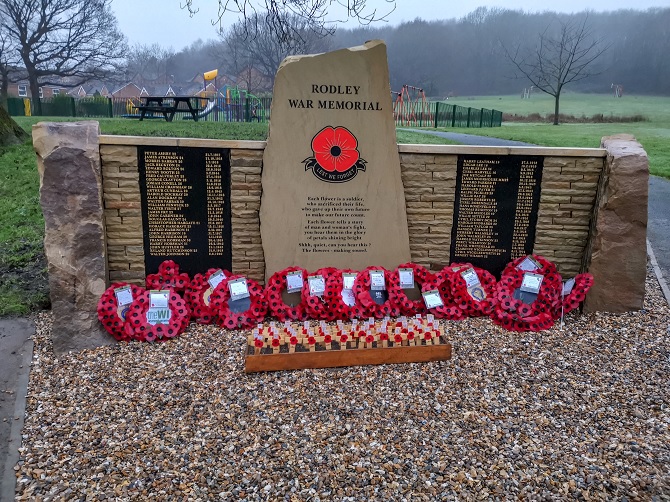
(653, 134)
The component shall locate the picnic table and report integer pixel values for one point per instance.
(168, 106)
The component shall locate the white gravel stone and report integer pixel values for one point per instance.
(582, 413)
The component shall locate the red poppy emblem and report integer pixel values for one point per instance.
(336, 158)
(335, 149)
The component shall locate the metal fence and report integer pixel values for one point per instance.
(247, 109)
(243, 109)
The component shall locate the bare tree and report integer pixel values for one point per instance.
(320, 16)
(73, 39)
(151, 63)
(253, 44)
(8, 61)
(559, 59)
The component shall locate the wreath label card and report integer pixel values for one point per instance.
(377, 281)
(432, 299)
(348, 296)
(124, 295)
(406, 276)
(531, 283)
(529, 265)
(473, 284)
(294, 282)
(238, 289)
(567, 287)
(216, 278)
(317, 285)
(530, 288)
(159, 311)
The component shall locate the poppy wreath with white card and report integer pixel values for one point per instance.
(168, 277)
(571, 300)
(317, 305)
(239, 320)
(111, 313)
(138, 327)
(516, 315)
(362, 291)
(277, 284)
(397, 291)
(526, 264)
(442, 282)
(342, 310)
(474, 294)
(199, 291)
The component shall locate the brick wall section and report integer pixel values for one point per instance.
(245, 196)
(123, 217)
(430, 190)
(569, 186)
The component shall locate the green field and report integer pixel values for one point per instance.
(653, 134)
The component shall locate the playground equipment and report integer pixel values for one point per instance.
(411, 108)
(527, 92)
(618, 90)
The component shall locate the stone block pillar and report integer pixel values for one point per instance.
(618, 257)
(68, 160)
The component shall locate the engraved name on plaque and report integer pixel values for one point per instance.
(185, 207)
(495, 212)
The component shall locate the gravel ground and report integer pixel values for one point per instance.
(579, 413)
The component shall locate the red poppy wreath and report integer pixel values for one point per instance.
(199, 291)
(138, 327)
(168, 277)
(277, 284)
(226, 318)
(335, 299)
(571, 301)
(442, 282)
(398, 294)
(515, 315)
(362, 287)
(111, 315)
(335, 155)
(475, 300)
(317, 306)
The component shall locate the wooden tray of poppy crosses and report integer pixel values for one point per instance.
(291, 346)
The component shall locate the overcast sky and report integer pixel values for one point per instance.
(165, 23)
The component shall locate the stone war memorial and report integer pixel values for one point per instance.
(330, 244)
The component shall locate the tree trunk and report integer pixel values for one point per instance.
(557, 97)
(10, 132)
(35, 96)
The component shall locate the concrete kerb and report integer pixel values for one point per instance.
(8, 479)
(658, 273)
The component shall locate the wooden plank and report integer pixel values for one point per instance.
(350, 357)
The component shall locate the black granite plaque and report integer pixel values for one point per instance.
(495, 212)
(186, 207)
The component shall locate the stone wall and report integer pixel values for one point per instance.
(592, 215)
(569, 184)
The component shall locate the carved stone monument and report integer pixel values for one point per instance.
(332, 191)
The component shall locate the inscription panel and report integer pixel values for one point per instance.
(495, 212)
(185, 207)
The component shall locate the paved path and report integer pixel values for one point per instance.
(658, 227)
(16, 350)
(470, 139)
